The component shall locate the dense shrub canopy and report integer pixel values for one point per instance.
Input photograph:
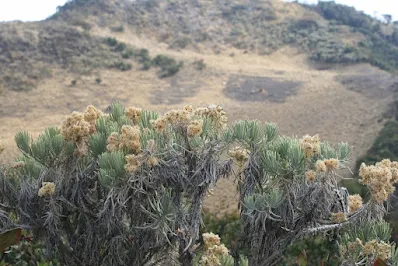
(126, 188)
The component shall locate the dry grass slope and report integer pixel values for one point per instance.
(323, 101)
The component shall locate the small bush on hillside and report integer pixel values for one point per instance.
(168, 66)
(19, 82)
(180, 43)
(118, 28)
(345, 15)
(120, 47)
(384, 146)
(111, 41)
(123, 66)
(143, 57)
(128, 53)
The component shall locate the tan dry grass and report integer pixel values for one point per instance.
(321, 106)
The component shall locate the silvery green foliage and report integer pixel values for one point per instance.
(101, 214)
(278, 204)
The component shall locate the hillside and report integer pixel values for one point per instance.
(267, 60)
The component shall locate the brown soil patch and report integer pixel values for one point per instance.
(245, 88)
(370, 82)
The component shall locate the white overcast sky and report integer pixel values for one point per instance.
(31, 10)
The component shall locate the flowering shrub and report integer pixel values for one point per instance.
(124, 188)
(127, 188)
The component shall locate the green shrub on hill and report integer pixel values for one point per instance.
(384, 146)
(168, 66)
(345, 15)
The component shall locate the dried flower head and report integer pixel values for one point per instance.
(320, 166)
(239, 154)
(113, 142)
(220, 250)
(133, 162)
(383, 250)
(354, 245)
(160, 124)
(338, 217)
(188, 108)
(216, 113)
(195, 128)
(310, 175)
(134, 114)
(380, 249)
(47, 189)
(211, 239)
(369, 247)
(130, 138)
(213, 250)
(177, 117)
(75, 127)
(91, 113)
(310, 145)
(354, 202)
(380, 178)
(331, 164)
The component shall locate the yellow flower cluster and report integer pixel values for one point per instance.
(239, 154)
(327, 165)
(310, 175)
(211, 239)
(184, 117)
(129, 139)
(134, 114)
(331, 164)
(195, 128)
(338, 217)
(351, 247)
(380, 178)
(354, 202)
(133, 162)
(216, 113)
(320, 166)
(91, 114)
(113, 142)
(172, 117)
(380, 249)
(78, 126)
(75, 127)
(47, 189)
(310, 145)
(213, 250)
